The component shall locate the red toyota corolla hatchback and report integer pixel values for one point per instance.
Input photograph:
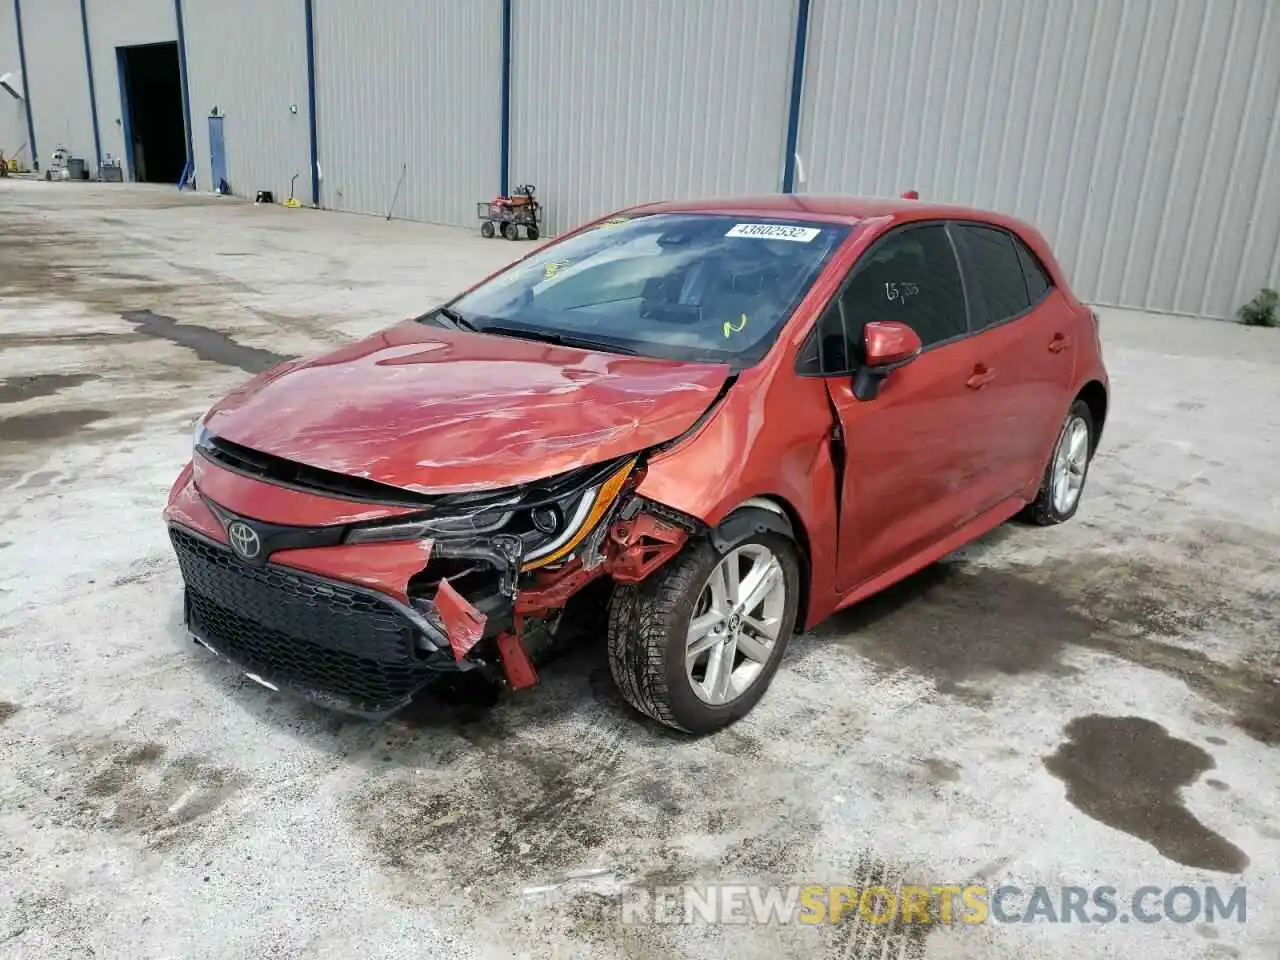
(737, 416)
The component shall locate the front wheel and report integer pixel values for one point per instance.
(696, 645)
(1068, 468)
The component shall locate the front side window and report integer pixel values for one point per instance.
(910, 276)
(680, 286)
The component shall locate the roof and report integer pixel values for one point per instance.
(835, 208)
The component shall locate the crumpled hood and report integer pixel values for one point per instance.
(438, 411)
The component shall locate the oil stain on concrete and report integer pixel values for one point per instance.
(16, 389)
(1127, 772)
(205, 342)
(48, 424)
(7, 710)
(135, 788)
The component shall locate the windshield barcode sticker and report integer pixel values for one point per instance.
(773, 231)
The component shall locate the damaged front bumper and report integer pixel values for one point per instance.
(362, 627)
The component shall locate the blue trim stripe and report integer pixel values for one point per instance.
(26, 88)
(311, 103)
(797, 88)
(93, 94)
(186, 92)
(504, 136)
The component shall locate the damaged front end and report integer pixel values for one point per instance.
(357, 594)
(501, 574)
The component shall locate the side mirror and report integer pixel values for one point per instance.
(887, 345)
(890, 343)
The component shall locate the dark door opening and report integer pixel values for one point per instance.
(151, 88)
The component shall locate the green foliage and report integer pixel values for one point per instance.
(1263, 310)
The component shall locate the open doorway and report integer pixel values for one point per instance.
(151, 91)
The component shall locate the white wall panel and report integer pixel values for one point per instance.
(617, 102)
(13, 118)
(59, 81)
(121, 23)
(248, 58)
(1139, 135)
(413, 86)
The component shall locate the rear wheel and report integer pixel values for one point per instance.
(487, 230)
(696, 645)
(510, 231)
(1068, 468)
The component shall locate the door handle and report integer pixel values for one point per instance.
(1059, 343)
(982, 375)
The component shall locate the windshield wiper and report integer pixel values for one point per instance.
(560, 339)
(457, 319)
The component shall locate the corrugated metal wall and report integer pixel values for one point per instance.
(248, 58)
(120, 23)
(620, 101)
(13, 119)
(412, 86)
(1140, 135)
(59, 81)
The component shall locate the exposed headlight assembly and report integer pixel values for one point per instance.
(488, 520)
(551, 527)
(591, 506)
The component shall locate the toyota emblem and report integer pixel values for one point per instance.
(243, 539)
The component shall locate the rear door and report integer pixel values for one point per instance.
(903, 487)
(1017, 340)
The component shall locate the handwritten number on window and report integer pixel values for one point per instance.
(901, 291)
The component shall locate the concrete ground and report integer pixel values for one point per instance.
(1095, 704)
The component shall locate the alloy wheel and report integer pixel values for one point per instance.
(735, 624)
(1070, 462)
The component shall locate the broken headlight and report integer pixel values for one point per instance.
(551, 518)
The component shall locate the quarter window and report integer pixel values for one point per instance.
(997, 289)
(1038, 282)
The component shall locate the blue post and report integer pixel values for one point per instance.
(504, 136)
(311, 103)
(797, 88)
(186, 92)
(93, 96)
(26, 87)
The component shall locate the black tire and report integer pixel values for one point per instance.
(510, 231)
(487, 230)
(1041, 511)
(648, 626)
(531, 233)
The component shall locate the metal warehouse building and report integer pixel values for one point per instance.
(1142, 136)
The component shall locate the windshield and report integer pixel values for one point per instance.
(678, 286)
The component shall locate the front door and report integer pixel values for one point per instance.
(906, 450)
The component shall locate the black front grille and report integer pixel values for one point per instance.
(305, 632)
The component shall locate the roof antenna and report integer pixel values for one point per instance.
(911, 195)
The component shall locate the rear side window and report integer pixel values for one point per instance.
(994, 271)
(1037, 278)
(910, 276)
